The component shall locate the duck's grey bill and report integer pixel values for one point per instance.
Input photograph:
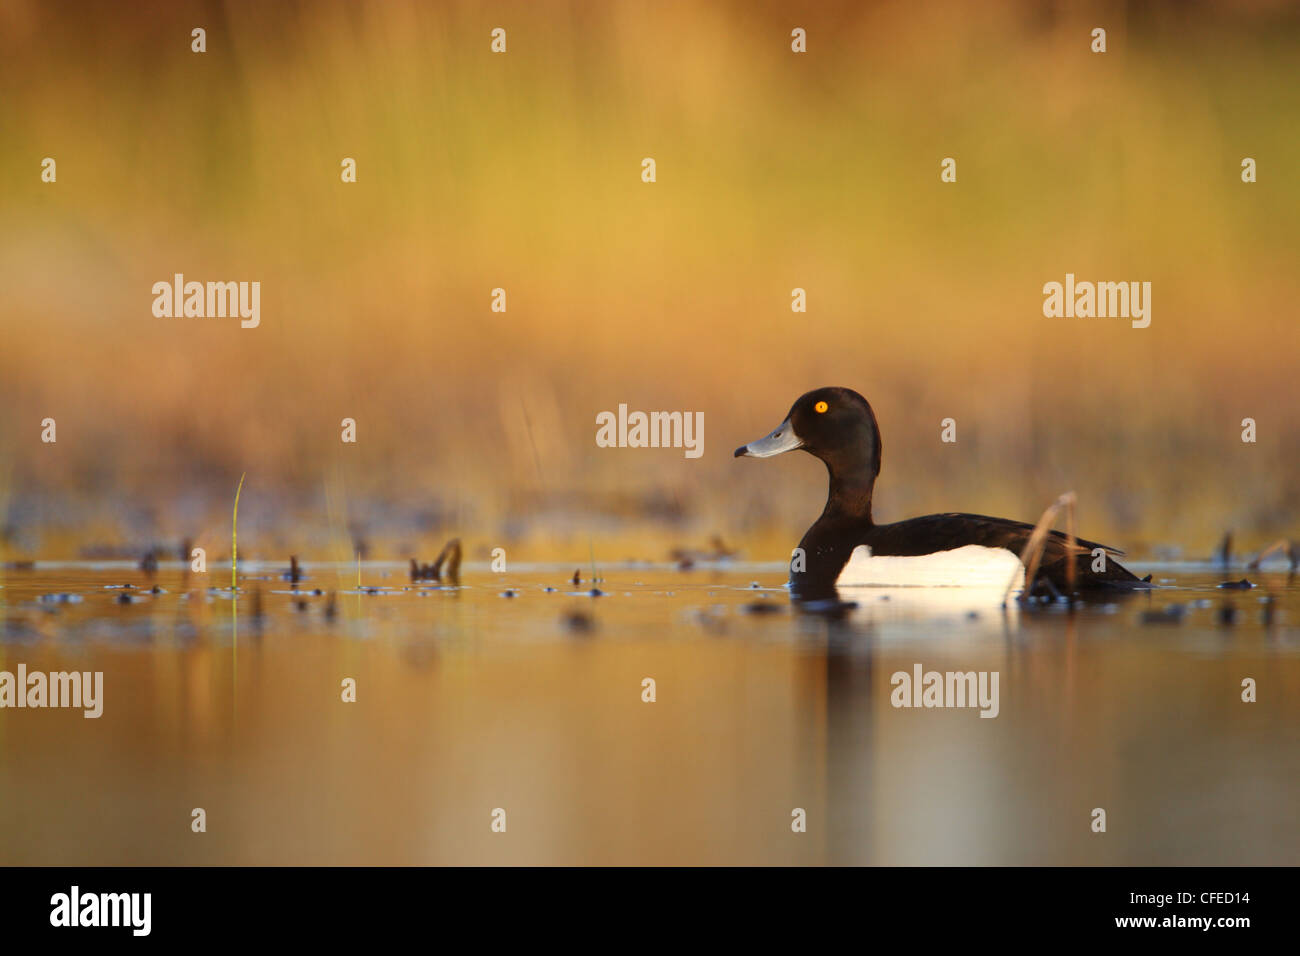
(781, 440)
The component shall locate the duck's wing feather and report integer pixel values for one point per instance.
(945, 532)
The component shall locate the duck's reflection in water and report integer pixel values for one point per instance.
(857, 629)
(914, 785)
(850, 731)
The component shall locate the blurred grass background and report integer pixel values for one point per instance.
(522, 171)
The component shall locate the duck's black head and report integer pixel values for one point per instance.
(838, 426)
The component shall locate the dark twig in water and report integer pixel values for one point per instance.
(1045, 590)
(1032, 554)
(450, 554)
(686, 558)
(1223, 554)
(1289, 548)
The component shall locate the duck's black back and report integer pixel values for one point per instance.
(829, 543)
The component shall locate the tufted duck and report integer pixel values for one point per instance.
(845, 547)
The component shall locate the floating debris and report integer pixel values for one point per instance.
(451, 554)
(60, 599)
(508, 593)
(577, 576)
(294, 574)
(1242, 585)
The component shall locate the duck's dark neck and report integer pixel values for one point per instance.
(852, 483)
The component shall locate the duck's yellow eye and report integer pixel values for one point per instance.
(821, 406)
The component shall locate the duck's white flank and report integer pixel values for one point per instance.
(970, 566)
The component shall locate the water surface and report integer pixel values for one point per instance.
(470, 700)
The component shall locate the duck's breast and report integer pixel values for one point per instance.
(971, 565)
